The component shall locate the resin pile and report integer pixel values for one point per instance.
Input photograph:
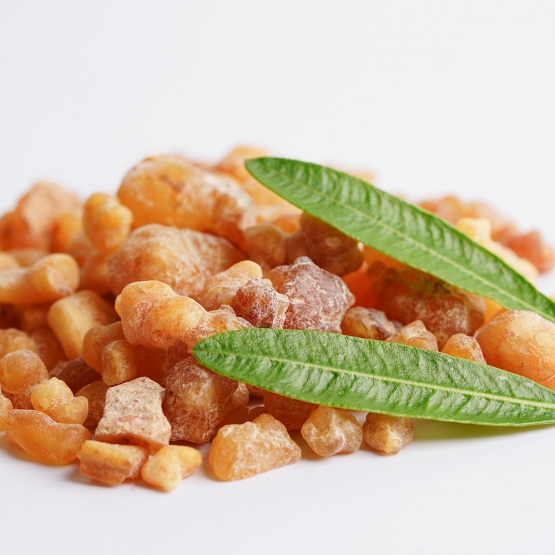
(102, 302)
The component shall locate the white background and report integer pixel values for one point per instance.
(434, 97)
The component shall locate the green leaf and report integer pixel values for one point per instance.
(368, 375)
(400, 230)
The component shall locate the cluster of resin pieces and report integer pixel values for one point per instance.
(102, 302)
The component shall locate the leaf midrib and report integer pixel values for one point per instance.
(422, 246)
(379, 377)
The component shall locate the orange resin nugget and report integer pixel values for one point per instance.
(21, 371)
(406, 295)
(260, 304)
(106, 222)
(292, 413)
(5, 408)
(387, 434)
(243, 450)
(55, 399)
(464, 346)
(182, 258)
(111, 464)
(415, 334)
(95, 393)
(526, 245)
(197, 400)
(95, 272)
(48, 279)
(119, 362)
(368, 323)
(221, 288)
(319, 299)
(328, 247)
(268, 204)
(96, 339)
(173, 463)
(531, 247)
(12, 339)
(48, 347)
(266, 245)
(43, 438)
(32, 222)
(170, 190)
(153, 315)
(329, 431)
(479, 229)
(133, 414)
(70, 319)
(522, 342)
(234, 164)
(75, 373)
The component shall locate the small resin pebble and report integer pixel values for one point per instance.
(197, 400)
(260, 304)
(111, 464)
(368, 323)
(415, 334)
(55, 399)
(12, 339)
(522, 342)
(406, 295)
(221, 288)
(106, 222)
(387, 434)
(169, 466)
(71, 317)
(21, 371)
(43, 438)
(182, 258)
(464, 346)
(171, 190)
(329, 431)
(153, 315)
(133, 414)
(319, 299)
(51, 277)
(95, 393)
(243, 450)
(328, 247)
(34, 219)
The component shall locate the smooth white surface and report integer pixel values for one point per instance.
(434, 97)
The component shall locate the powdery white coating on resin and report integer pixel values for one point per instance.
(260, 304)
(170, 190)
(133, 414)
(387, 434)
(242, 450)
(197, 400)
(182, 258)
(221, 288)
(329, 431)
(319, 299)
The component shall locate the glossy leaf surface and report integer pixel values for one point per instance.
(399, 229)
(377, 376)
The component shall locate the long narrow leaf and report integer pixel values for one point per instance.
(400, 230)
(368, 375)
